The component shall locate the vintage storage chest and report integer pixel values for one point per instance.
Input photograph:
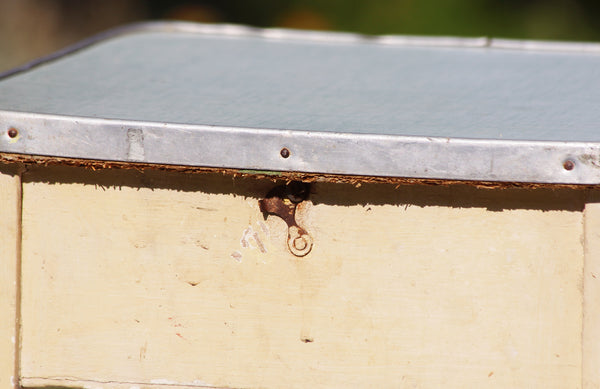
(216, 206)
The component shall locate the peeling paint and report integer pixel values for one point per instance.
(250, 235)
(244, 240)
(259, 243)
(237, 256)
(264, 228)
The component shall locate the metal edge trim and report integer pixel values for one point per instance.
(310, 152)
(551, 46)
(234, 30)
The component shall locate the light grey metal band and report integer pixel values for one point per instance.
(311, 152)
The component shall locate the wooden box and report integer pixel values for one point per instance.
(213, 206)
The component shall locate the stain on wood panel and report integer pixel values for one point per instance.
(143, 276)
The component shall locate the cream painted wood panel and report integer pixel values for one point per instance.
(591, 301)
(10, 215)
(166, 278)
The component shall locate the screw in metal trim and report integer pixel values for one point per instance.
(568, 164)
(12, 132)
(285, 153)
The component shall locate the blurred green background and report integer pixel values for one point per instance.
(31, 28)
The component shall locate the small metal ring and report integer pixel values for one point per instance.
(300, 245)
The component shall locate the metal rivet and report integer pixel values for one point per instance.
(13, 132)
(568, 164)
(284, 152)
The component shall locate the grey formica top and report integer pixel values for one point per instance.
(233, 97)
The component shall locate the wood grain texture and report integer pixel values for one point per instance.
(167, 278)
(10, 215)
(69, 383)
(591, 294)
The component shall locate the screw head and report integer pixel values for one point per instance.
(300, 243)
(569, 165)
(12, 132)
(285, 153)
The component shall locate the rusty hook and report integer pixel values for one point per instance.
(282, 201)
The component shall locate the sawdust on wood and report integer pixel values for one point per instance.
(356, 180)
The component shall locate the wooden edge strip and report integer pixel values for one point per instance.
(591, 294)
(10, 272)
(277, 175)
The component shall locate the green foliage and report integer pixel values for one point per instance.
(528, 19)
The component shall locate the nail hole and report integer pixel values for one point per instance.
(285, 153)
(568, 164)
(12, 132)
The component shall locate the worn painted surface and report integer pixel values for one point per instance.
(591, 290)
(169, 278)
(10, 200)
(71, 383)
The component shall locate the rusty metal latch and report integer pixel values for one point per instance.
(282, 201)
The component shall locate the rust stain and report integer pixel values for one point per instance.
(279, 207)
(282, 201)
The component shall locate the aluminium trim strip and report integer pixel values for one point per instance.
(310, 152)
